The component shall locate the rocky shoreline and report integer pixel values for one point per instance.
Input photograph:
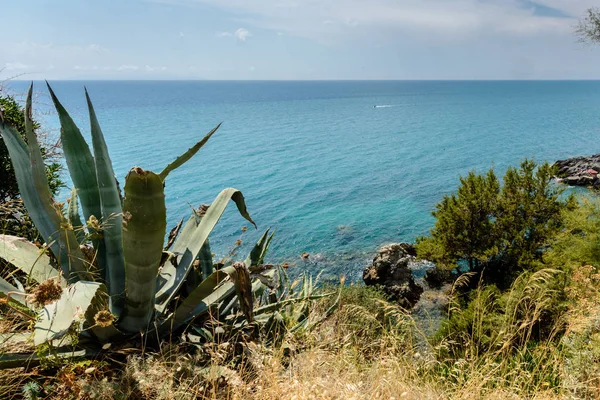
(579, 171)
(391, 272)
(426, 295)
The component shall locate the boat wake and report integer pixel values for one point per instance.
(385, 106)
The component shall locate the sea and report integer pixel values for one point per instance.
(336, 168)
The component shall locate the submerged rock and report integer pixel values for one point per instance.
(579, 171)
(391, 272)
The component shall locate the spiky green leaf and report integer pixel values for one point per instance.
(80, 161)
(38, 168)
(40, 205)
(112, 218)
(6, 288)
(190, 242)
(71, 310)
(206, 260)
(210, 293)
(179, 161)
(18, 360)
(73, 215)
(254, 258)
(27, 257)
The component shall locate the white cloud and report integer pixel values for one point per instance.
(10, 66)
(128, 68)
(240, 34)
(152, 68)
(317, 18)
(181, 34)
(91, 48)
(67, 49)
(86, 67)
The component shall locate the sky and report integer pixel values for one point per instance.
(295, 39)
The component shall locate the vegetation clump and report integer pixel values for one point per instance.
(497, 229)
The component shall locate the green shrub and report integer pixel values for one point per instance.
(578, 243)
(502, 323)
(501, 229)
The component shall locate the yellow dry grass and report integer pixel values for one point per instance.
(370, 349)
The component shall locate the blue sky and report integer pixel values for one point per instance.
(295, 39)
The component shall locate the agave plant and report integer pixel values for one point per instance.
(112, 277)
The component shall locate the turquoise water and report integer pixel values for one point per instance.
(335, 175)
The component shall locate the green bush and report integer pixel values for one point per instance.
(578, 243)
(488, 320)
(501, 229)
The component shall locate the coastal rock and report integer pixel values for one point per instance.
(390, 271)
(437, 277)
(579, 171)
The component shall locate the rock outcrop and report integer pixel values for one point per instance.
(579, 171)
(437, 277)
(391, 272)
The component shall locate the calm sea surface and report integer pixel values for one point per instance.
(338, 168)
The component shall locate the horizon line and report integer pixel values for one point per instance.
(16, 79)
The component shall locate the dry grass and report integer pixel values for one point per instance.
(370, 349)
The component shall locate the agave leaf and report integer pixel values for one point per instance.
(243, 289)
(15, 338)
(254, 258)
(144, 229)
(211, 292)
(79, 161)
(113, 267)
(73, 308)
(14, 360)
(284, 283)
(205, 268)
(170, 266)
(40, 205)
(38, 168)
(28, 258)
(173, 235)
(266, 248)
(106, 334)
(226, 308)
(206, 260)
(19, 284)
(73, 215)
(190, 242)
(6, 288)
(179, 161)
(282, 303)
